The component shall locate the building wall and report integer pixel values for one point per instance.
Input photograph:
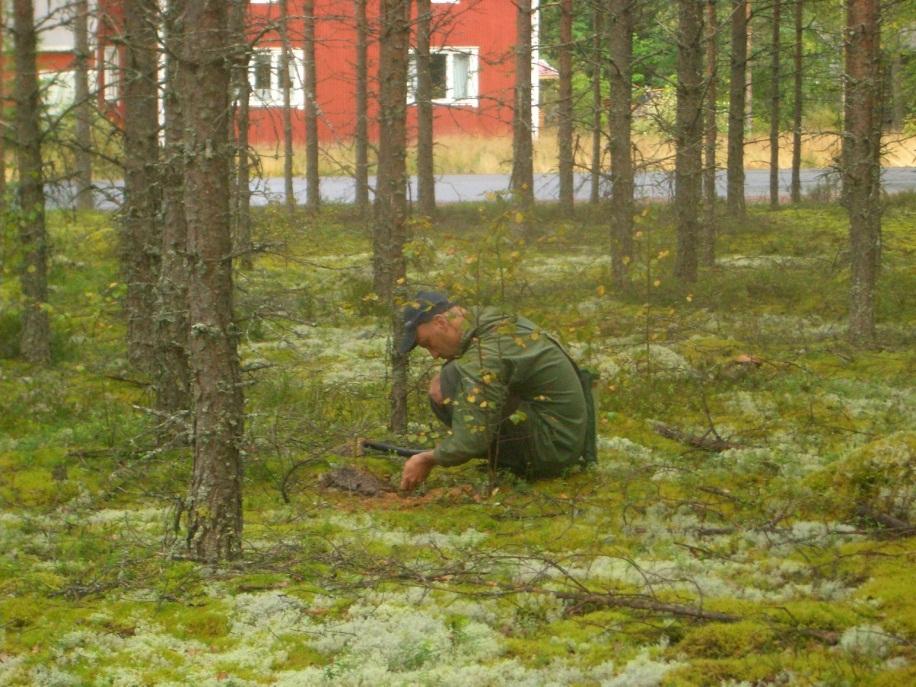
(487, 26)
(483, 29)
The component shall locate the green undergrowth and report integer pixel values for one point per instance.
(769, 554)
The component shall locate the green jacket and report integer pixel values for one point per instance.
(504, 357)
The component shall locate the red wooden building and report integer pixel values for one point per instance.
(472, 62)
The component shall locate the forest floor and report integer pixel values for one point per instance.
(769, 542)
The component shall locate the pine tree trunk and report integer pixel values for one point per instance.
(286, 88)
(83, 106)
(313, 180)
(708, 227)
(749, 73)
(797, 112)
(426, 180)
(775, 66)
(620, 45)
(597, 105)
(522, 181)
(565, 107)
(141, 237)
(861, 168)
(391, 190)
(362, 109)
(688, 136)
(4, 124)
(35, 336)
(172, 378)
(242, 87)
(215, 503)
(737, 91)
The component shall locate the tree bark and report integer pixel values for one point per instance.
(391, 189)
(4, 124)
(708, 228)
(597, 105)
(861, 164)
(522, 181)
(775, 76)
(426, 180)
(620, 119)
(242, 87)
(749, 73)
(286, 64)
(565, 107)
(313, 180)
(172, 377)
(35, 336)
(362, 108)
(797, 106)
(215, 502)
(83, 107)
(688, 136)
(141, 239)
(737, 92)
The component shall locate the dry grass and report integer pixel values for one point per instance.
(478, 155)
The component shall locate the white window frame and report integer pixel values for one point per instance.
(111, 73)
(450, 51)
(273, 96)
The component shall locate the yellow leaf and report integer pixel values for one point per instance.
(519, 217)
(657, 282)
(600, 290)
(689, 297)
(400, 280)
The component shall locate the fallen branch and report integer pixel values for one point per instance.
(713, 444)
(893, 525)
(642, 603)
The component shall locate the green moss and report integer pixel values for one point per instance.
(715, 672)
(721, 640)
(877, 479)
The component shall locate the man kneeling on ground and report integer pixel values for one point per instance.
(508, 391)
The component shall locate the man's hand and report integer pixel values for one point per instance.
(416, 470)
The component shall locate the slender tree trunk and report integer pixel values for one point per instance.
(797, 113)
(597, 105)
(313, 180)
(749, 102)
(737, 91)
(83, 133)
(242, 86)
(897, 78)
(391, 190)
(215, 503)
(861, 168)
(522, 182)
(565, 107)
(688, 136)
(141, 238)
(286, 64)
(708, 227)
(3, 120)
(35, 337)
(426, 180)
(775, 77)
(620, 44)
(172, 377)
(362, 108)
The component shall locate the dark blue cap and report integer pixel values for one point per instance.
(424, 306)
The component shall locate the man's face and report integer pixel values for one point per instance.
(441, 336)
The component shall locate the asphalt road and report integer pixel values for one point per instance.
(453, 188)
